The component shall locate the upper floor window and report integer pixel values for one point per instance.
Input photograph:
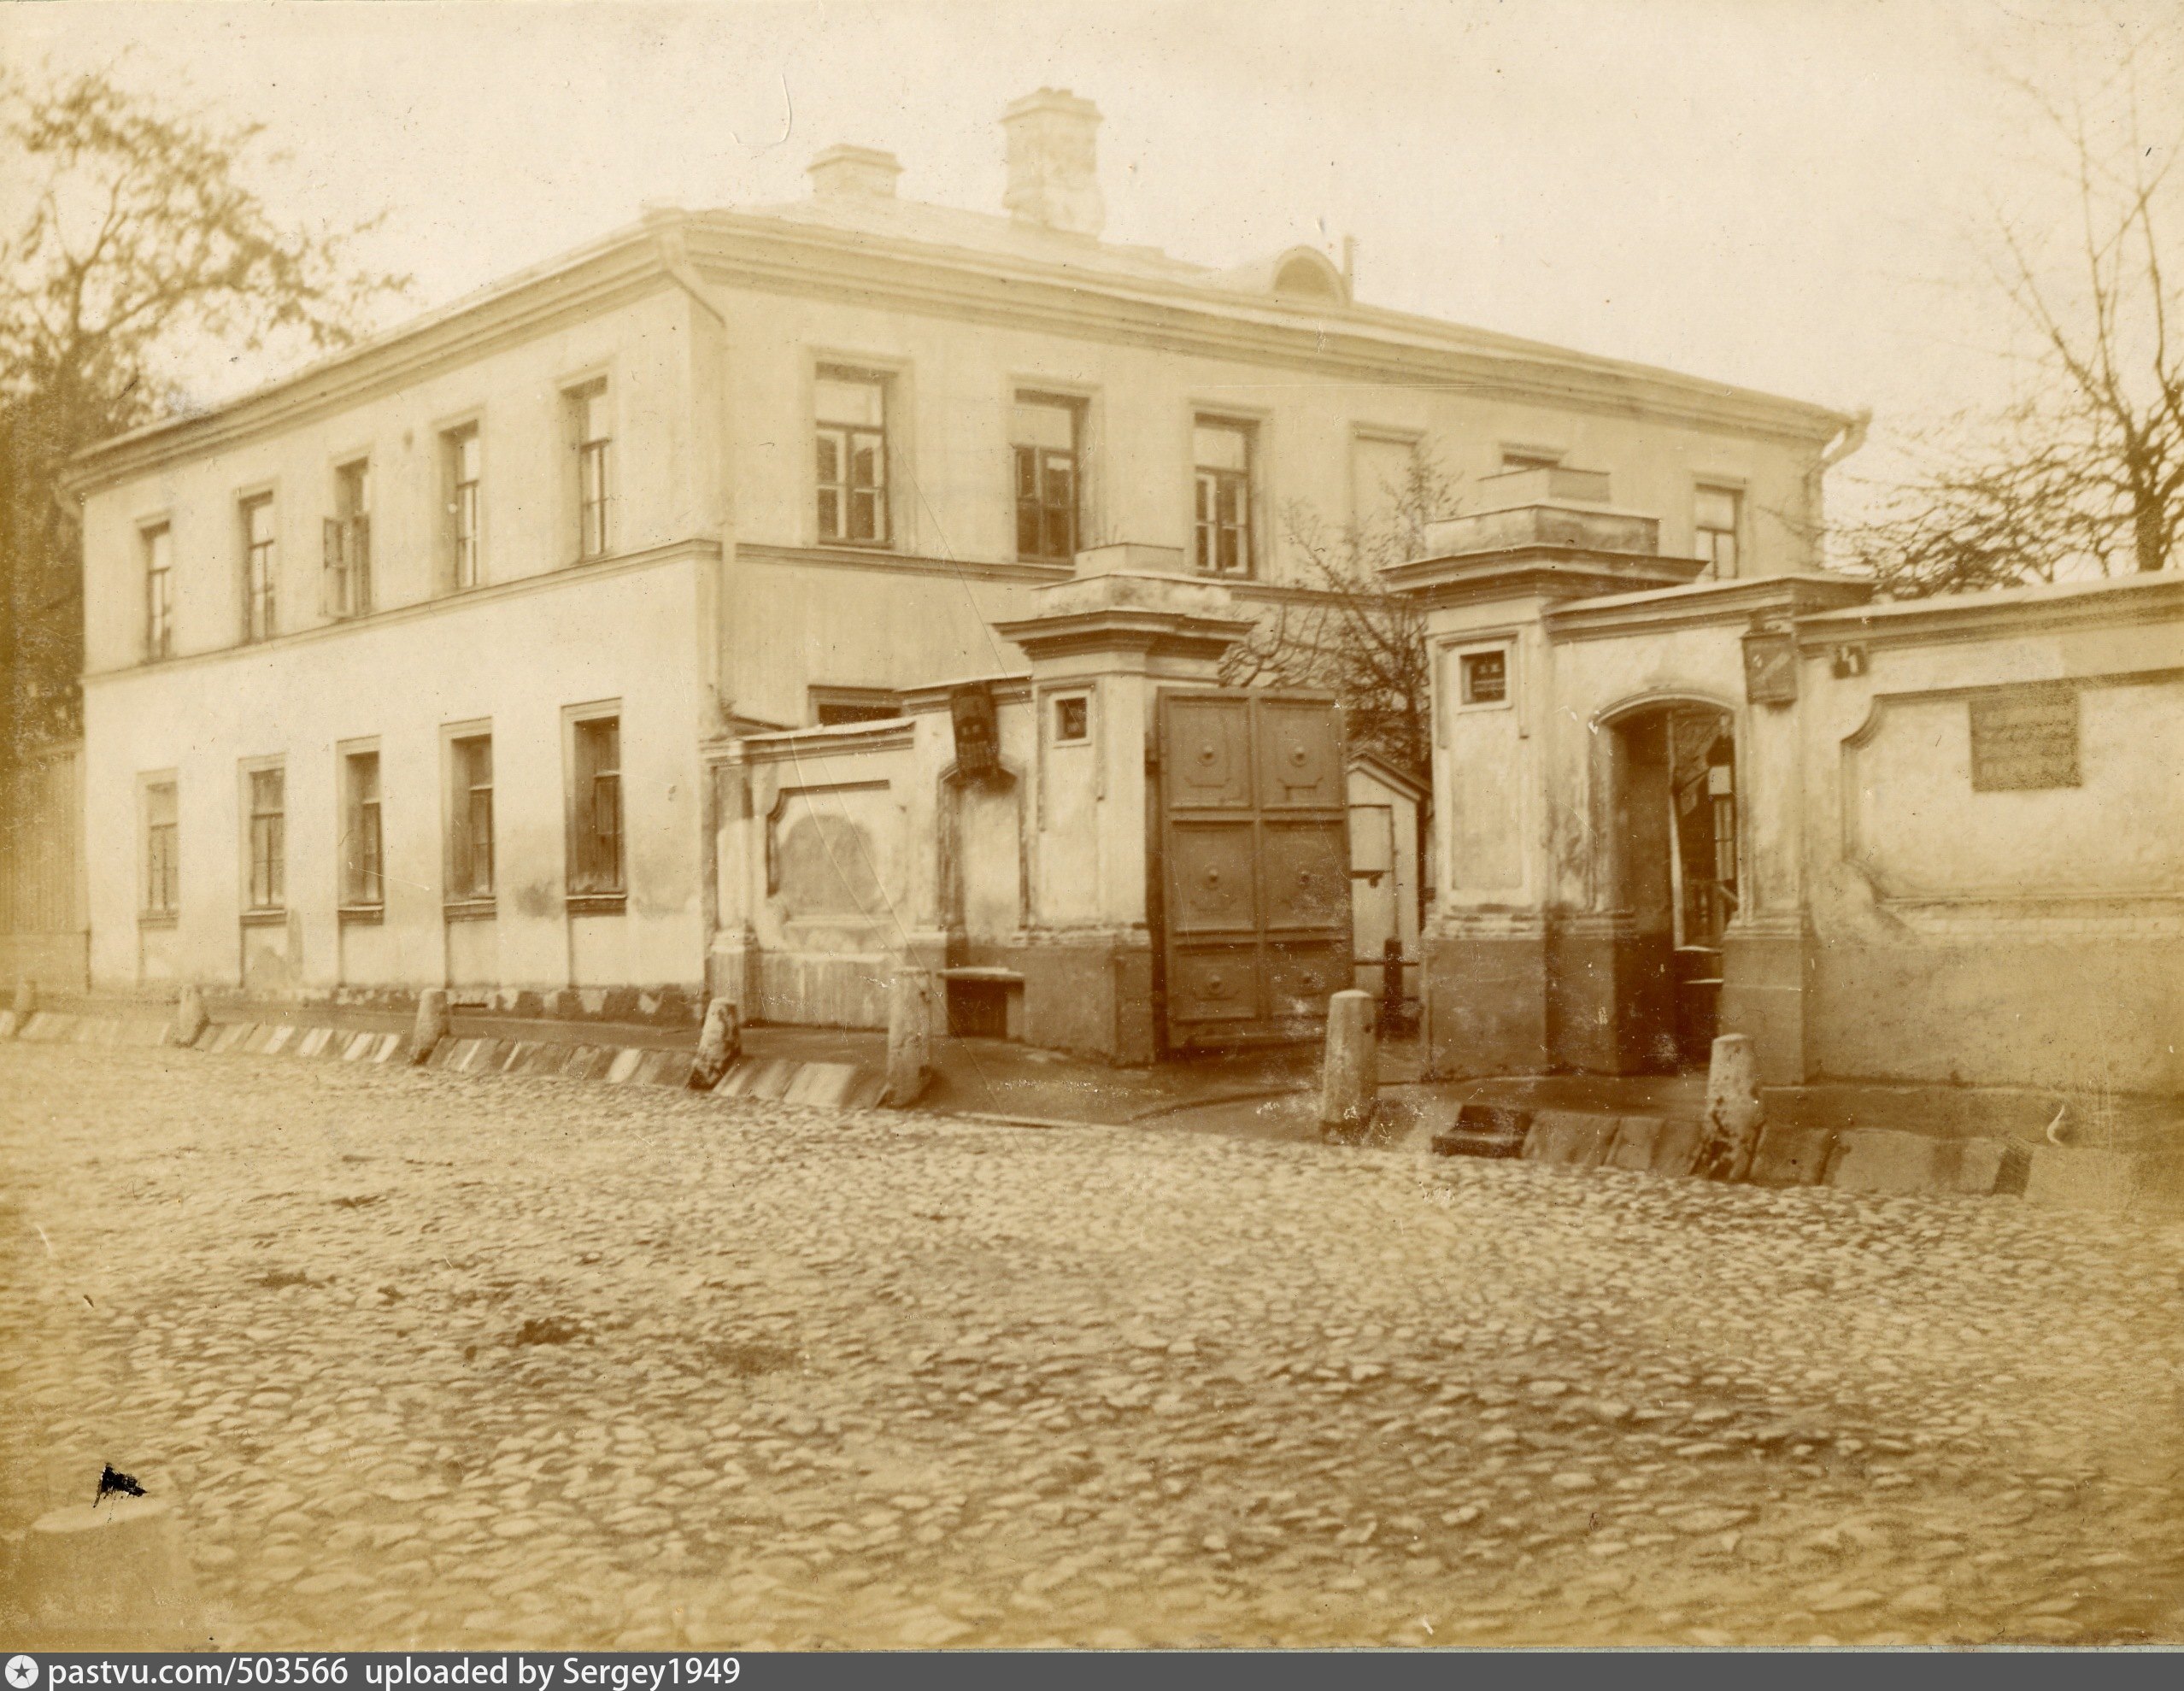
(852, 428)
(1043, 435)
(1383, 471)
(1718, 514)
(159, 591)
(1515, 458)
(261, 569)
(268, 838)
(592, 430)
(363, 881)
(461, 463)
(347, 577)
(1224, 454)
(470, 814)
(162, 856)
(596, 865)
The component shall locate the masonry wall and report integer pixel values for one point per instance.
(510, 659)
(899, 616)
(2028, 936)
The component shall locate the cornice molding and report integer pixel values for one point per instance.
(1534, 571)
(685, 250)
(880, 561)
(2008, 614)
(1703, 605)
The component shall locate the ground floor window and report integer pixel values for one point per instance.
(268, 838)
(596, 865)
(163, 857)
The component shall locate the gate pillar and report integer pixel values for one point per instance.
(1100, 647)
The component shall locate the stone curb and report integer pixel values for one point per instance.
(823, 1085)
(1882, 1162)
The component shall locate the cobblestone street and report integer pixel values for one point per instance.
(423, 1359)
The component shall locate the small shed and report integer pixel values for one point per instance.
(1384, 806)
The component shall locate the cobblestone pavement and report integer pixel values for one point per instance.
(428, 1360)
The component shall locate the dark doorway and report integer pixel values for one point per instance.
(1677, 811)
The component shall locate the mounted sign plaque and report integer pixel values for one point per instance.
(978, 738)
(1770, 667)
(2023, 739)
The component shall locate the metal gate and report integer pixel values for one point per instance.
(1253, 867)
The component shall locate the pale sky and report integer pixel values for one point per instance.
(1779, 193)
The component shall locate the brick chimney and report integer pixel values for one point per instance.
(840, 172)
(1053, 174)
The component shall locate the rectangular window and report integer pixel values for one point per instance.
(1486, 678)
(852, 427)
(1043, 435)
(162, 854)
(346, 582)
(159, 592)
(260, 568)
(1514, 458)
(461, 462)
(471, 869)
(1072, 719)
(590, 432)
(269, 839)
(1381, 471)
(1223, 454)
(597, 803)
(1718, 514)
(362, 879)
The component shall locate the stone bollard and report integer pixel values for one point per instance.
(432, 1023)
(909, 1038)
(107, 1574)
(1734, 1112)
(1349, 1080)
(189, 1018)
(720, 1041)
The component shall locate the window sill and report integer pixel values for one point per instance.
(361, 915)
(264, 918)
(597, 903)
(157, 918)
(470, 909)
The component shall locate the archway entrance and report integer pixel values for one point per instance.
(1676, 820)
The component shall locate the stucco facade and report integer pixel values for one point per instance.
(1931, 841)
(681, 368)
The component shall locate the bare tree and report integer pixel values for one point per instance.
(1338, 627)
(2084, 474)
(143, 239)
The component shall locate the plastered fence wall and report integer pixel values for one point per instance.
(843, 852)
(1995, 837)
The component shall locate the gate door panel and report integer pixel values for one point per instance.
(1254, 866)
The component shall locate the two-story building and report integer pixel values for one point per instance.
(401, 671)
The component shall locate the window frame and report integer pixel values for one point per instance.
(889, 382)
(1710, 551)
(159, 871)
(587, 891)
(345, 569)
(463, 896)
(159, 587)
(1252, 431)
(363, 892)
(852, 705)
(260, 574)
(1077, 407)
(1458, 654)
(451, 436)
(594, 539)
(275, 854)
(1411, 441)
